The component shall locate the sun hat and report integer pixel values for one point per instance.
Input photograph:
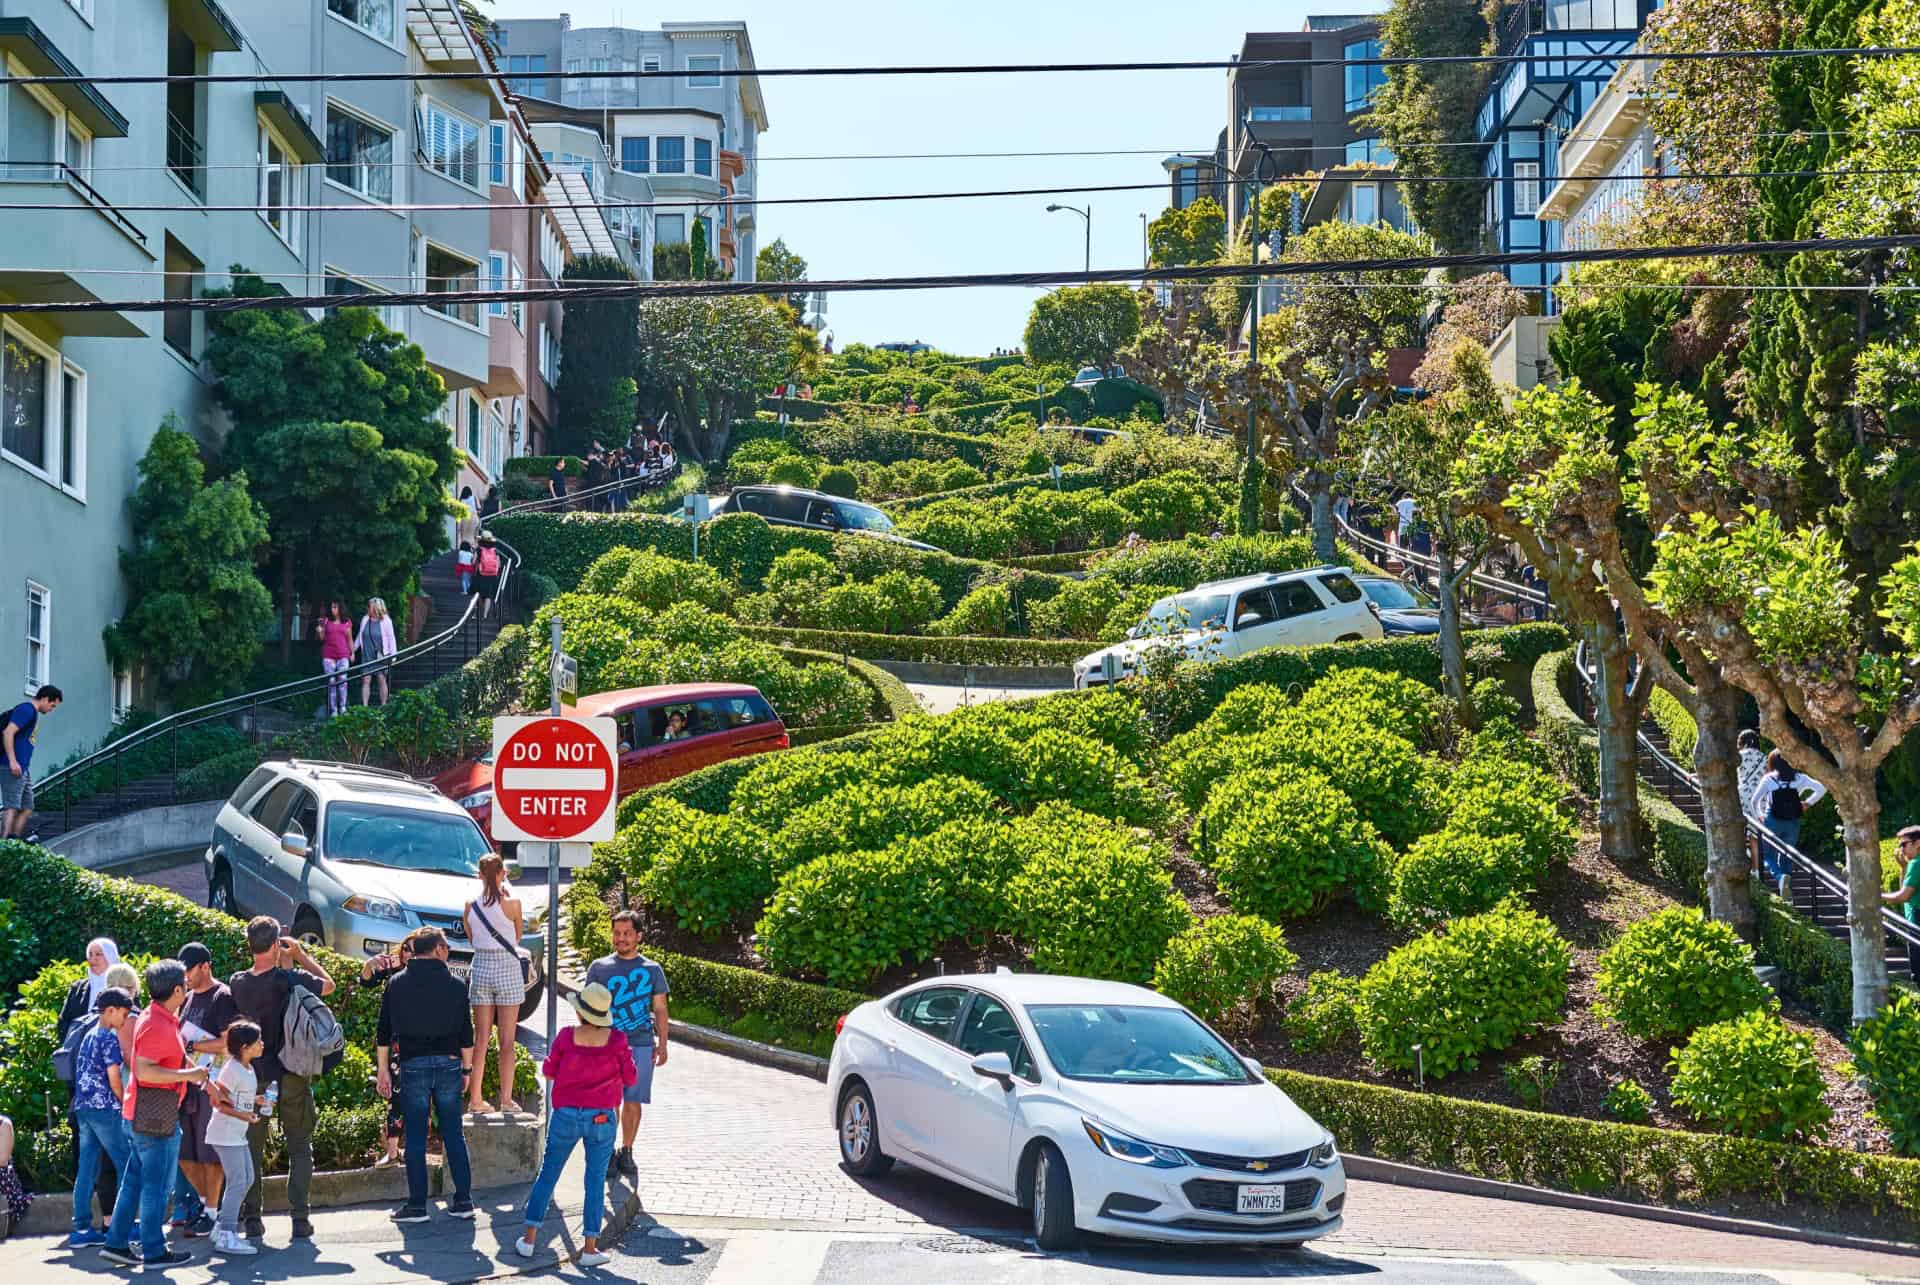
(594, 1003)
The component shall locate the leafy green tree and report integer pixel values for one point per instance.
(1426, 111)
(698, 254)
(1477, 310)
(1380, 309)
(712, 356)
(672, 262)
(777, 263)
(599, 357)
(280, 369)
(195, 609)
(1083, 325)
(1195, 235)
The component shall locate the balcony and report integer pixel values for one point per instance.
(92, 233)
(27, 44)
(185, 156)
(1598, 139)
(1269, 115)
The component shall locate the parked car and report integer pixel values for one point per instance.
(814, 510)
(722, 721)
(354, 858)
(1226, 618)
(1405, 609)
(1097, 1106)
(1088, 376)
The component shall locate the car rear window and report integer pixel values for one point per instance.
(728, 712)
(256, 781)
(1342, 588)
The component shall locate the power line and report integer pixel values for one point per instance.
(441, 299)
(975, 69)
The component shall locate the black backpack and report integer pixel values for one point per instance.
(69, 1050)
(1786, 803)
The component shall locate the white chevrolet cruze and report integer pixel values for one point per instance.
(1098, 1106)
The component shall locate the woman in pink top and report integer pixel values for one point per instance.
(590, 1067)
(335, 632)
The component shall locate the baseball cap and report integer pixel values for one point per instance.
(193, 954)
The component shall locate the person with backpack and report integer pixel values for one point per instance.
(1780, 800)
(265, 994)
(425, 1011)
(96, 1071)
(486, 569)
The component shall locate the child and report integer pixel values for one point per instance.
(464, 561)
(377, 972)
(98, 1091)
(227, 1131)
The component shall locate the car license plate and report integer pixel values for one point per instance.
(459, 971)
(1262, 1200)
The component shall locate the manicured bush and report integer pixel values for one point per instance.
(1110, 715)
(1198, 559)
(1284, 842)
(19, 947)
(741, 546)
(791, 470)
(860, 817)
(1224, 968)
(1753, 1076)
(1038, 652)
(1886, 1056)
(1493, 796)
(838, 479)
(986, 612)
(1059, 766)
(1245, 712)
(1628, 1102)
(1378, 698)
(657, 583)
(1170, 506)
(1325, 1016)
(959, 475)
(1485, 982)
(1674, 971)
(710, 872)
(1081, 610)
(778, 785)
(1094, 899)
(1452, 873)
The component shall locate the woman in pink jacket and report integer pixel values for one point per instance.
(375, 642)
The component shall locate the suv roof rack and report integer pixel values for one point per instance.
(332, 765)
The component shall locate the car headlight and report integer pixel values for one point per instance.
(374, 907)
(1324, 1154)
(478, 799)
(1133, 1150)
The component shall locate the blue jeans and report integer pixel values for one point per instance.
(565, 1127)
(434, 1082)
(187, 1205)
(101, 1131)
(145, 1184)
(1788, 832)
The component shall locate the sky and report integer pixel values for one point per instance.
(1156, 112)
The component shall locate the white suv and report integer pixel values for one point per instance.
(1233, 617)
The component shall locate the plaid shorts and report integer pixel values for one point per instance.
(495, 979)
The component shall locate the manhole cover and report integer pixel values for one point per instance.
(968, 1245)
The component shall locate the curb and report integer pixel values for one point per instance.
(737, 1046)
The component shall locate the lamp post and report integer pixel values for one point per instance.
(1252, 479)
(1146, 255)
(1086, 214)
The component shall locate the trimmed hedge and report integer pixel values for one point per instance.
(539, 466)
(892, 698)
(912, 648)
(1071, 479)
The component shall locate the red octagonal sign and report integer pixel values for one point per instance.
(554, 779)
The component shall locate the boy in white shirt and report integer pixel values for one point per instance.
(227, 1131)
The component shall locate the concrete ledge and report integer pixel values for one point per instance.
(705, 1037)
(138, 835)
(1044, 677)
(52, 1212)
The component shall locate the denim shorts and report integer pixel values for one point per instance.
(641, 1090)
(16, 792)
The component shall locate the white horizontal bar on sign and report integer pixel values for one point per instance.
(553, 778)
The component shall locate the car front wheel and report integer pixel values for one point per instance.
(220, 892)
(860, 1135)
(1053, 1227)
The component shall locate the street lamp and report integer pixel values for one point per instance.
(1249, 491)
(1086, 214)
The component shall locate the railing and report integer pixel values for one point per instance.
(185, 157)
(1824, 888)
(102, 204)
(447, 650)
(572, 499)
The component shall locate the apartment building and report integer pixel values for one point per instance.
(693, 138)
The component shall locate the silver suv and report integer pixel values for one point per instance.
(354, 858)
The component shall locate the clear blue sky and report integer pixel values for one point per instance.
(1163, 112)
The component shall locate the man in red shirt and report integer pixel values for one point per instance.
(159, 1060)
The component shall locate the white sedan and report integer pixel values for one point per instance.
(1098, 1106)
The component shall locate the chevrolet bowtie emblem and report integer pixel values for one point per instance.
(1258, 1166)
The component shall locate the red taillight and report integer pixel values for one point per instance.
(839, 1024)
(786, 742)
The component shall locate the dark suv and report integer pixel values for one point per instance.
(815, 510)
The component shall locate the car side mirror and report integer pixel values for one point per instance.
(1253, 1064)
(995, 1066)
(295, 844)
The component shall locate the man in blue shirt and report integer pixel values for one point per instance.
(639, 989)
(16, 779)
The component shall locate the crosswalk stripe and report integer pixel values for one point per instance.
(1565, 1273)
(757, 1257)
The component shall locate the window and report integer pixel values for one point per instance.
(39, 636)
(30, 136)
(633, 155)
(79, 154)
(524, 74)
(182, 282)
(82, 7)
(697, 63)
(339, 283)
(1284, 114)
(650, 63)
(375, 17)
(1526, 189)
(703, 156)
(43, 410)
(931, 1011)
(1295, 598)
(473, 429)
(503, 273)
(497, 280)
(549, 354)
(673, 155)
(73, 428)
(1366, 203)
(598, 83)
(359, 154)
(990, 1028)
(278, 186)
(1368, 151)
(1363, 82)
(448, 273)
(553, 259)
(122, 695)
(275, 805)
(497, 133)
(449, 144)
(1342, 588)
(669, 229)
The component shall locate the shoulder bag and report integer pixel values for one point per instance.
(526, 960)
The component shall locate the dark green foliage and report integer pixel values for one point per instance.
(1325, 1016)
(1284, 842)
(599, 355)
(1628, 1103)
(1094, 899)
(861, 817)
(1224, 968)
(1675, 971)
(1886, 1055)
(1454, 872)
(19, 947)
(1753, 1076)
(1426, 113)
(708, 871)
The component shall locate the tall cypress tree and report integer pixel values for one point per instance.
(599, 358)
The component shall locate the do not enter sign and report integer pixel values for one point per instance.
(554, 779)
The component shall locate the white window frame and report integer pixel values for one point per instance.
(425, 106)
(650, 62)
(122, 695)
(496, 280)
(498, 171)
(516, 282)
(40, 677)
(55, 426)
(394, 169)
(289, 230)
(398, 19)
(695, 80)
(427, 246)
(84, 8)
(1526, 189)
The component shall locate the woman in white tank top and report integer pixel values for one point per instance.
(496, 987)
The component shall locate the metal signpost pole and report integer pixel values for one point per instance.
(553, 877)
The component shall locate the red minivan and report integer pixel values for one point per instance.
(663, 732)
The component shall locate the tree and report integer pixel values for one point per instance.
(196, 610)
(1378, 309)
(279, 367)
(1195, 235)
(1426, 111)
(698, 254)
(672, 262)
(777, 263)
(711, 356)
(1477, 310)
(599, 360)
(1083, 325)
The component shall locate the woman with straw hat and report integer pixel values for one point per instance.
(590, 1066)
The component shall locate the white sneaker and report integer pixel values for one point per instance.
(596, 1258)
(230, 1243)
(523, 1247)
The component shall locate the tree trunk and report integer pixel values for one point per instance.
(1453, 650)
(1615, 717)
(1252, 476)
(286, 606)
(1716, 765)
(1860, 824)
(1320, 495)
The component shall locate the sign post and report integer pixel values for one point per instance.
(556, 781)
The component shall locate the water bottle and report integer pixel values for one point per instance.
(267, 1099)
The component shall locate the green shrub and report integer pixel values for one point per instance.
(608, 570)
(1325, 1016)
(986, 612)
(1198, 559)
(861, 817)
(1093, 898)
(1628, 1102)
(1364, 697)
(1170, 506)
(1485, 982)
(1452, 873)
(1530, 1080)
(657, 583)
(1493, 705)
(838, 479)
(19, 948)
(1499, 796)
(778, 785)
(1246, 711)
(217, 777)
(1081, 610)
(1110, 715)
(710, 872)
(1753, 1076)
(1675, 971)
(1061, 766)
(741, 547)
(959, 475)
(802, 569)
(1225, 967)
(976, 744)
(1284, 842)
(1886, 1056)
(791, 470)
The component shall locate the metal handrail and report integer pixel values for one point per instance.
(173, 724)
(556, 502)
(1519, 594)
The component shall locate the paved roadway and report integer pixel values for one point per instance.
(939, 699)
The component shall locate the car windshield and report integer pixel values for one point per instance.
(403, 839)
(1209, 612)
(1391, 595)
(1125, 1044)
(860, 517)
